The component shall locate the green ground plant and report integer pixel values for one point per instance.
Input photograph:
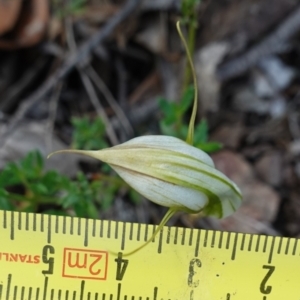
(26, 186)
(172, 122)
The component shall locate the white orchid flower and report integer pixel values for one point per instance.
(172, 173)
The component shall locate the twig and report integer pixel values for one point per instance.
(52, 114)
(89, 86)
(110, 99)
(70, 63)
(99, 109)
(273, 43)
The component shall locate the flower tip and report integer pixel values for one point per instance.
(58, 151)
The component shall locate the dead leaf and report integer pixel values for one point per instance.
(9, 12)
(31, 26)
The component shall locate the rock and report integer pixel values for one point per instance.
(206, 62)
(34, 136)
(245, 100)
(260, 202)
(234, 166)
(290, 178)
(228, 135)
(269, 168)
(291, 213)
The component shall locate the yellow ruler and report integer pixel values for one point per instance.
(45, 257)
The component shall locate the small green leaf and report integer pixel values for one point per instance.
(5, 202)
(209, 147)
(186, 100)
(134, 196)
(169, 111)
(201, 132)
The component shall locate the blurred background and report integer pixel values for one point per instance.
(90, 74)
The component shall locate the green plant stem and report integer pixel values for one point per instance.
(191, 46)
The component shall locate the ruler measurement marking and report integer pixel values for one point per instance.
(146, 233)
(119, 291)
(96, 296)
(49, 230)
(64, 225)
(108, 229)
(257, 243)
(19, 221)
(168, 235)
(197, 243)
(74, 295)
(27, 221)
(159, 249)
(22, 292)
(103, 296)
(79, 226)
(56, 224)
(250, 242)
(265, 244)
(153, 230)
(15, 292)
(89, 296)
(12, 225)
(59, 294)
(228, 240)
(212, 245)
(42, 222)
(234, 246)
(29, 293)
(67, 295)
(116, 229)
(228, 297)
(295, 247)
(155, 293)
(287, 246)
(94, 228)
(45, 288)
(71, 219)
(51, 294)
(243, 242)
(34, 222)
(279, 246)
(86, 233)
(4, 219)
(220, 240)
(176, 236)
(138, 232)
(191, 237)
(123, 236)
(37, 294)
(183, 237)
(271, 250)
(205, 239)
(1, 287)
(131, 231)
(101, 228)
(8, 286)
(82, 286)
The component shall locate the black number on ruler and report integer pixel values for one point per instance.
(48, 260)
(121, 266)
(264, 288)
(193, 263)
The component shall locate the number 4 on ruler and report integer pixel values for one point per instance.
(121, 266)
